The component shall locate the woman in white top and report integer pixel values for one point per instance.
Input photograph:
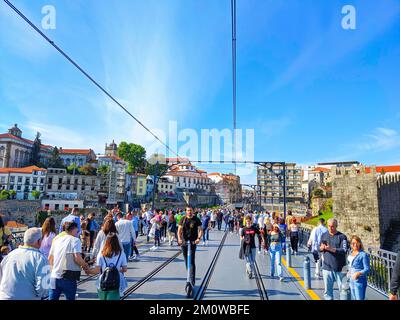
(110, 256)
(294, 235)
(107, 227)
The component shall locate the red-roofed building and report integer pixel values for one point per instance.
(15, 151)
(393, 169)
(79, 157)
(23, 181)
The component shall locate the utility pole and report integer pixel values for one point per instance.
(233, 13)
(154, 185)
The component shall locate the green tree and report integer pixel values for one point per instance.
(104, 169)
(4, 194)
(73, 169)
(12, 194)
(36, 194)
(87, 170)
(35, 154)
(55, 160)
(134, 155)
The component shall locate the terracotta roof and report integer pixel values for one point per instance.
(214, 174)
(387, 169)
(76, 151)
(112, 157)
(21, 170)
(14, 224)
(320, 169)
(10, 136)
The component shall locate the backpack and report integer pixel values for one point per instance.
(110, 278)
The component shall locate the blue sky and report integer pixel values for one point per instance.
(311, 90)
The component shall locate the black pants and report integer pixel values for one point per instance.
(294, 240)
(135, 249)
(91, 241)
(192, 261)
(219, 224)
(231, 225)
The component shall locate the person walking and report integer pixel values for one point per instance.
(395, 280)
(92, 227)
(248, 245)
(220, 217)
(172, 228)
(333, 247)
(126, 233)
(359, 268)
(314, 244)
(205, 226)
(275, 251)
(72, 217)
(66, 262)
(190, 230)
(135, 221)
(24, 270)
(109, 259)
(48, 234)
(294, 235)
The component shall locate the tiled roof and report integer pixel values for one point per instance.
(10, 136)
(76, 151)
(14, 224)
(21, 170)
(320, 169)
(111, 157)
(387, 169)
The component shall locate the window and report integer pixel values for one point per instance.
(59, 180)
(19, 188)
(12, 179)
(50, 180)
(19, 179)
(41, 180)
(56, 206)
(49, 186)
(34, 180)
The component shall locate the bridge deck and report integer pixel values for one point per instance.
(229, 280)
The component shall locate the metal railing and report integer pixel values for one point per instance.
(381, 263)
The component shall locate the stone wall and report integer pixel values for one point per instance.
(24, 211)
(355, 204)
(389, 211)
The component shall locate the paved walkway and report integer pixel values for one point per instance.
(228, 281)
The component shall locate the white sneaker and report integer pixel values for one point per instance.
(259, 252)
(203, 243)
(281, 279)
(207, 243)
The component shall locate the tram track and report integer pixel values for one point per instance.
(200, 293)
(150, 275)
(260, 283)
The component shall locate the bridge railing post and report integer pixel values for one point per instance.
(307, 273)
(289, 255)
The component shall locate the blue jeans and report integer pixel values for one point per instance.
(127, 249)
(358, 288)
(275, 252)
(68, 287)
(329, 279)
(206, 234)
(250, 261)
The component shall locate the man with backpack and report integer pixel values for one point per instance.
(189, 230)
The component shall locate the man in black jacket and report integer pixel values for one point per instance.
(395, 281)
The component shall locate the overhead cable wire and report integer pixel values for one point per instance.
(87, 75)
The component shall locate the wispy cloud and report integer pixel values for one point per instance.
(381, 139)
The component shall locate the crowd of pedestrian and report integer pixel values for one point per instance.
(51, 260)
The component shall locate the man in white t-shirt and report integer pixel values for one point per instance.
(66, 261)
(126, 233)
